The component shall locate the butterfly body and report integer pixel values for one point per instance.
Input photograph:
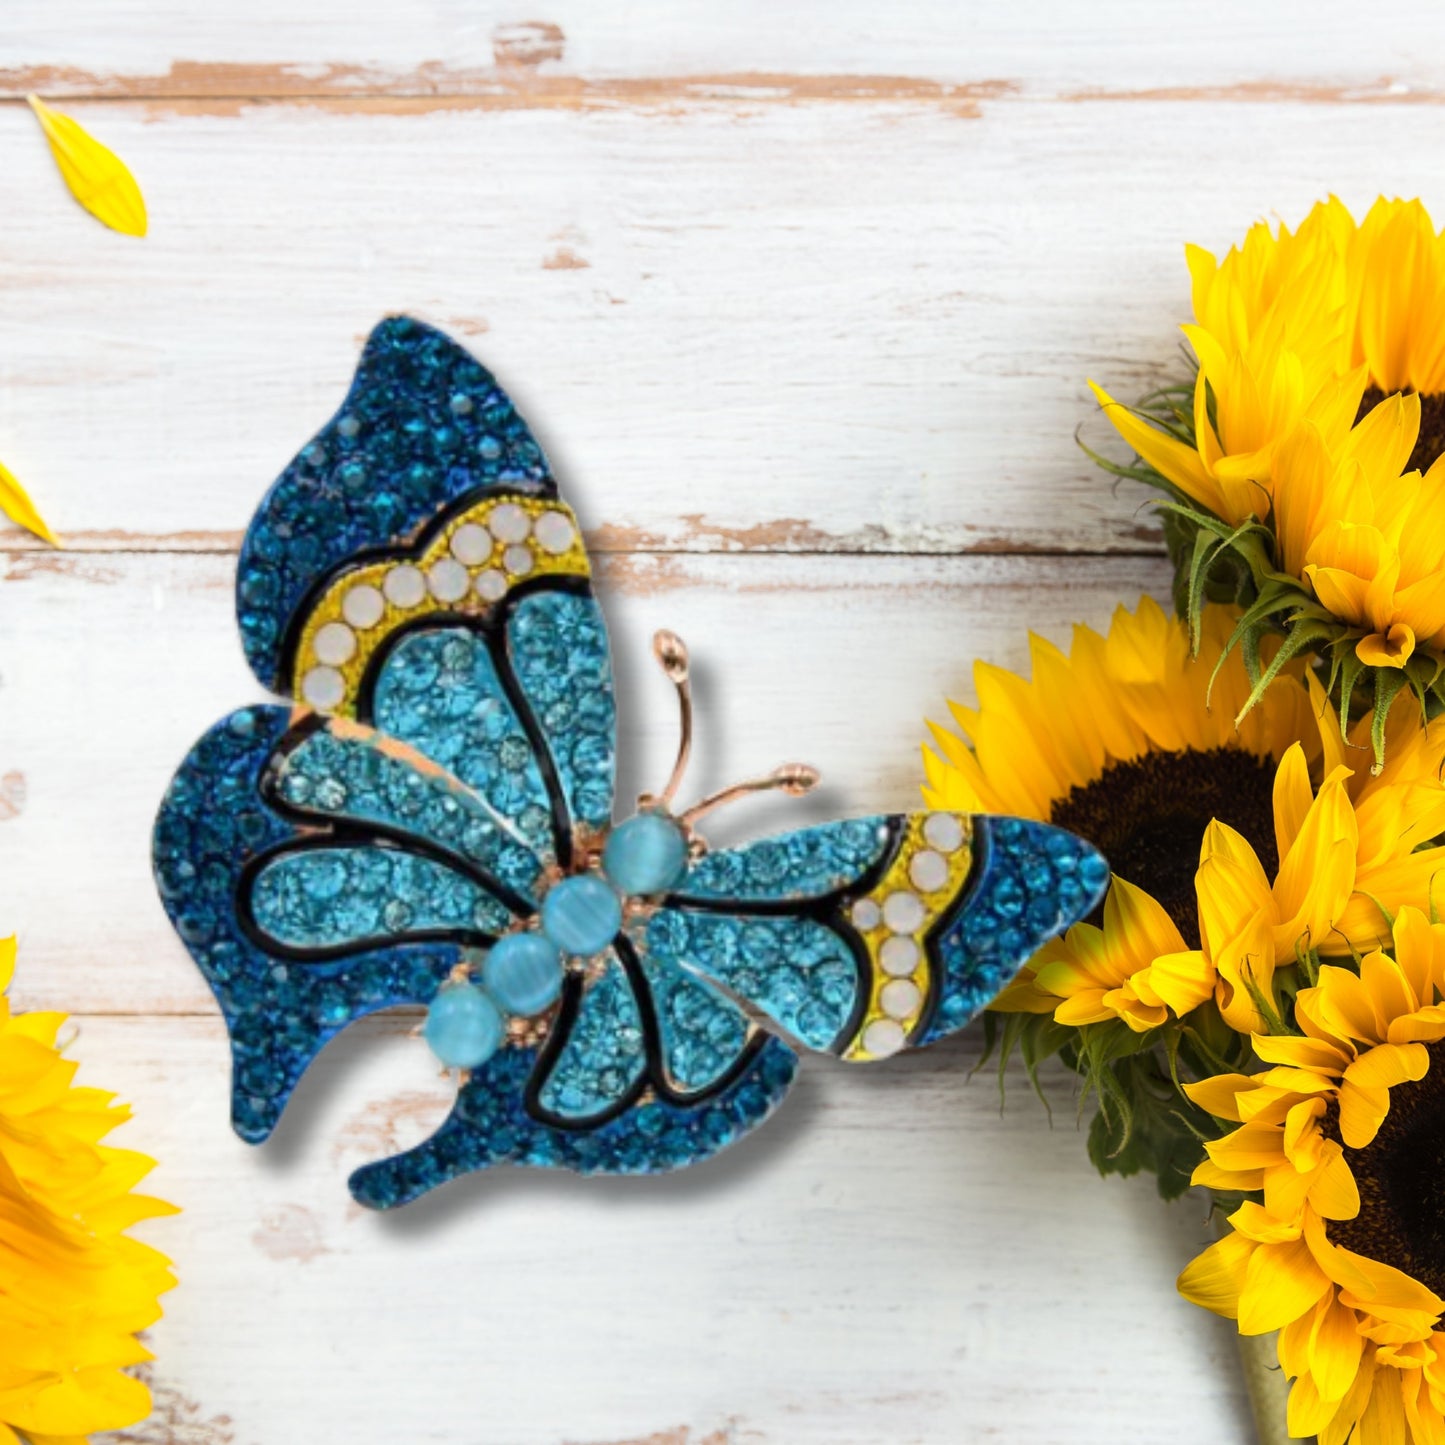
(432, 825)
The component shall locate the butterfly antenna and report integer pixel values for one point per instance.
(794, 779)
(671, 651)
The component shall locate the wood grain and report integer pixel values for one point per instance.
(850, 329)
(89, 46)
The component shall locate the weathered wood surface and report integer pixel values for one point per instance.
(801, 299)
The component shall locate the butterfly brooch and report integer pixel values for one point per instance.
(430, 823)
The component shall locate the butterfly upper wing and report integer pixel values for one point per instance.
(865, 935)
(423, 426)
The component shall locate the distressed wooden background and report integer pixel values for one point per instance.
(801, 299)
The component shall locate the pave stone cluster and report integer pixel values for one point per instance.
(895, 919)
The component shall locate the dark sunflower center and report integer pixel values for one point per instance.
(1401, 1178)
(1431, 442)
(1148, 817)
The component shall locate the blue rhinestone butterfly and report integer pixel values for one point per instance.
(431, 824)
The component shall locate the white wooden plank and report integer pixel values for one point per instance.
(889, 1259)
(230, 47)
(112, 667)
(848, 328)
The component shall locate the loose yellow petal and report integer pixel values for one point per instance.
(16, 504)
(97, 177)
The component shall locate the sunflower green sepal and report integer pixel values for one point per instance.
(1217, 561)
(1276, 607)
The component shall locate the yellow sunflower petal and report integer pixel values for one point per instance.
(16, 504)
(1219, 1094)
(1315, 1055)
(1389, 1064)
(1307, 1413)
(1281, 1282)
(1242, 1181)
(1175, 460)
(1317, 876)
(96, 176)
(1182, 980)
(1215, 1279)
(1392, 648)
(1255, 1222)
(1293, 798)
(1335, 1348)
(1362, 1111)
(1333, 1193)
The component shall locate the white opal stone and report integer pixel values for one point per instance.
(363, 605)
(554, 532)
(323, 687)
(509, 523)
(900, 998)
(866, 914)
(404, 586)
(448, 580)
(944, 831)
(928, 871)
(471, 544)
(334, 643)
(518, 560)
(899, 956)
(491, 585)
(884, 1037)
(904, 912)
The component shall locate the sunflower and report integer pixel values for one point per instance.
(1342, 1249)
(1122, 742)
(74, 1288)
(1301, 463)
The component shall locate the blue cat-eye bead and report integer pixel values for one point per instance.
(464, 1028)
(646, 854)
(523, 973)
(581, 915)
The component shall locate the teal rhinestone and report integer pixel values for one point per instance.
(581, 915)
(464, 1028)
(523, 972)
(646, 854)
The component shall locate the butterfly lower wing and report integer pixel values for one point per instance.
(490, 1125)
(284, 993)
(862, 937)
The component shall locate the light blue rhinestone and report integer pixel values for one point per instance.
(523, 972)
(581, 915)
(464, 1028)
(646, 854)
